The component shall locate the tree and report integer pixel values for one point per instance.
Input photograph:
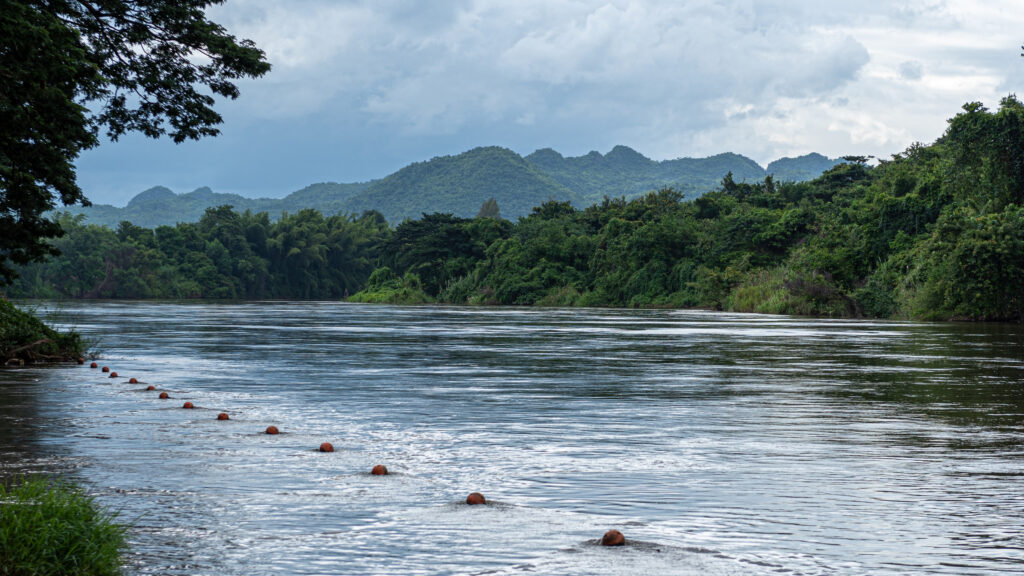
(988, 149)
(71, 67)
(489, 209)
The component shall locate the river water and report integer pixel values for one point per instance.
(717, 443)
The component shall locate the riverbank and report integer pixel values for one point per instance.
(52, 527)
(25, 339)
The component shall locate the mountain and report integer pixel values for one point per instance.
(160, 206)
(626, 172)
(807, 167)
(460, 184)
(152, 207)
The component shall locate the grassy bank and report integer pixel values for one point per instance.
(25, 339)
(48, 527)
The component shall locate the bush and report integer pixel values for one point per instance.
(25, 337)
(562, 297)
(385, 288)
(783, 291)
(50, 527)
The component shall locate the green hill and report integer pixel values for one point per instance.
(626, 172)
(460, 184)
(160, 206)
(801, 168)
(327, 197)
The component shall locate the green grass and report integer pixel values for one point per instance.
(50, 527)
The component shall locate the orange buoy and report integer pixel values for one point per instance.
(272, 430)
(113, 374)
(150, 387)
(188, 405)
(223, 416)
(133, 380)
(379, 470)
(164, 396)
(476, 498)
(94, 365)
(81, 361)
(326, 447)
(613, 538)
(105, 369)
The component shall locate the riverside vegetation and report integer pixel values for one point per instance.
(936, 232)
(49, 527)
(26, 339)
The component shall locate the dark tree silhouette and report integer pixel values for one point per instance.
(71, 67)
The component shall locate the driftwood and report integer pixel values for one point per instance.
(14, 352)
(19, 356)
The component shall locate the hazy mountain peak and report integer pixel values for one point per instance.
(624, 155)
(486, 149)
(803, 167)
(545, 153)
(152, 195)
(201, 192)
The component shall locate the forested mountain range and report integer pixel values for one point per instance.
(159, 205)
(461, 184)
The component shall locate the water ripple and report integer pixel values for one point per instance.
(718, 443)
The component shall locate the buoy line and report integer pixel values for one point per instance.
(610, 538)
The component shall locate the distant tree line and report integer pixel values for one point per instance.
(226, 254)
(935, 232)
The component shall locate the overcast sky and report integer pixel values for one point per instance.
(361, 88)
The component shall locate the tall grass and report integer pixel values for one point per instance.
(49, 527)
(783, 291)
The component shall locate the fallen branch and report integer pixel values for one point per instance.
(14, 352)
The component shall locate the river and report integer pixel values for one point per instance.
(717, 443)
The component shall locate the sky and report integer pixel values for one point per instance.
(360, 88)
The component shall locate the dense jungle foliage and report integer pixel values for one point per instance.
(935, 232)
(224, 255)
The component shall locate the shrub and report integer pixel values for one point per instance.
(27, 338)
(49, 527)
(385, 288)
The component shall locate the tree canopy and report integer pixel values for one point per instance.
(69, 68)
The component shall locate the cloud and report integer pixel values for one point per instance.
(766, 78)
(911, 70)
(598, 67)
